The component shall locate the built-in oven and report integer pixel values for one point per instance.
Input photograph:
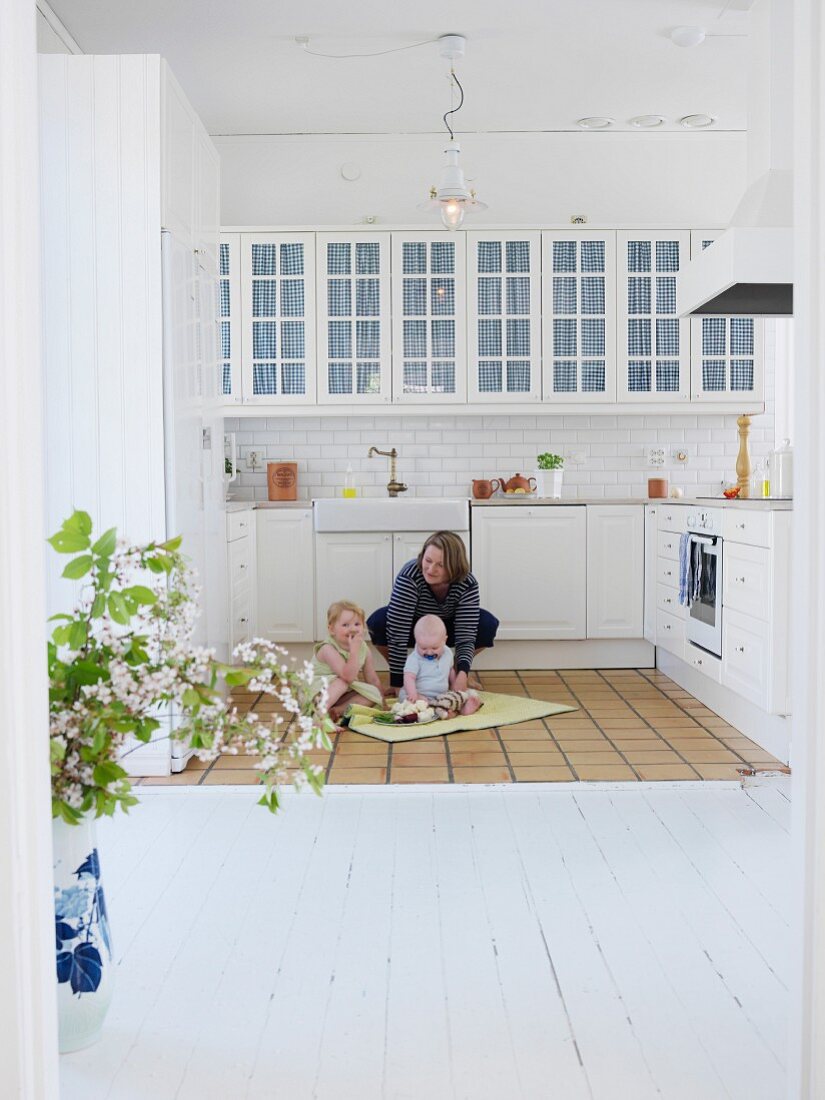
(704, 580)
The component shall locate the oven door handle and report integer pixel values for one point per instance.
(707, 542)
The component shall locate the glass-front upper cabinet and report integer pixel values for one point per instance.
(579, 309)
(278, 317)
(428, 308)
(653, 360)
(504, 316)
(727, 360)
(354, 348)
(229, 317)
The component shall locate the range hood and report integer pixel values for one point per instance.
(749, 268)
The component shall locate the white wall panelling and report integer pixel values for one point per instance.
(28, 1012)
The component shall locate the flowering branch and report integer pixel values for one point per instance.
(125, 659)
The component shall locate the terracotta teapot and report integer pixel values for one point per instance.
(519, 484)
(483, 490)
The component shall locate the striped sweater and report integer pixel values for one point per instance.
(413, 598)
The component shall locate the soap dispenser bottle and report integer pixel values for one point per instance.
(349, 490)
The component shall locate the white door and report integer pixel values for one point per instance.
(178, 160)
(531, 566)
(615, 571)
(285, 604)
(353, 566)
(208, 200)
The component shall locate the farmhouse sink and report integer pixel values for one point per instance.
(392, 514)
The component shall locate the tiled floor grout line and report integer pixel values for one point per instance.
(450, 775)
(526, 687)
(598, 726)
(658, 733)
(390, 747)
(497, 732)
(687, 714)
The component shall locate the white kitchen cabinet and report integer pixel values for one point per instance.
(531, 566)
(429, 317)
(241, 553)
(364, 563)
(229, 313)
(579, 316)
(504, 316)
(278, 318)
(354, 347)
(727, 356)
(653, 362)
(651, 537)
(285, 581)
(191, 172)
(615, 571)
(352, 565)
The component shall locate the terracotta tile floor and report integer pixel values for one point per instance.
(631, 724)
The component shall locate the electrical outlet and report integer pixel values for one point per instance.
(577, 458)
(682, 457)
(655, 456)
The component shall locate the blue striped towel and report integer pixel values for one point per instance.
(684, 569)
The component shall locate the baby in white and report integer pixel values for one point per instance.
(429, 672)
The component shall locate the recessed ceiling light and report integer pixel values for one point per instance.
(594, 122)
(646, 122)
(697, 122)
(687, 36)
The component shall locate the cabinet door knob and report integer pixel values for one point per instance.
(242, 565)
(698, 660)
(244, 620)
(741, 580)
(741, 526)
(740, 649)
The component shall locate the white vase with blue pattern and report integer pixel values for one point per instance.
(85, 968)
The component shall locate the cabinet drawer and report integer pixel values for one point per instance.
(667, 599)
(703, 662)
(670, 633)
(751, 528)
(746, 585)
(238, 525)
(240, 563)
(668, 545)
(671, 518)
(667, 572)
(240, 611)
(745, 656)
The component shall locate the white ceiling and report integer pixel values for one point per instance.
(531, 65)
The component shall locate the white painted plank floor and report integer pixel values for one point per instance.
(464, 942)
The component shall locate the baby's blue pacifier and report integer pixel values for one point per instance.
(430, 657)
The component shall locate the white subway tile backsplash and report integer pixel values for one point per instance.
(440, 455)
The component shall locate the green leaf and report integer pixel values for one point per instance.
(130, 604)
(78, 634)
(172, 544)
(78, 567)
(107, 772)
(239, 676)
(68, 542)
(54, 618)
(99, 606)
(191, 698)
(80, 522)
(117, 608)
(154, 565)
(141, 594)
(105, 545)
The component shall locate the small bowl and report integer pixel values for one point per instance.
(733, 493)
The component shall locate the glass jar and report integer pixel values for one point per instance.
(781, 463)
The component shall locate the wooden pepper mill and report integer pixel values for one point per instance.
(743, 459)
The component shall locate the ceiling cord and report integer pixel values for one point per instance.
(454, 109)
(378, 53)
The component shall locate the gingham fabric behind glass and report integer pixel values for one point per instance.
(518, 337)
(292, 340)
(339, 297)
(292, 259)
(638, 376)
(564, 255)
(665, 295)
(518, 256)
(226, 342)
(741, 335)
(367, 258)
(224, 293)
(443, 339)
(518, 375)
(489, 294)
(265, 378)
(713, 374)
(489, 256)
(368, 377)
(667, 375)
(442, 296)
(293, 378)
(593, 338)
(339, 340)
(581, 293)
(339, 258)
(368, 339)
(264, 339)
(443, 377)
(490, 376)
(442, 257)
(667, 255)
(226, 378)
(741, 374)
(714, 332)
(353, 293)
(224, 261)
(368, 297)
(277, 294)
(518, 295)
(649, 298)
(339, 378)
(264, 298)
(415, 297)
(592, 256)
(264, 259)
(564, 376)
(593, 376)
(593, 294)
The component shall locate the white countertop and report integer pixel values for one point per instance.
(757, 505)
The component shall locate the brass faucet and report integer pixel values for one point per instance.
(393, 487)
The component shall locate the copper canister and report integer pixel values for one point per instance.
(282, 480)
(657, 488)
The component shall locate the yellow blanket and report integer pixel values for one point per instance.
(498, 710)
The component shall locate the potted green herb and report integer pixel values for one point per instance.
(121, 666)
(548, 475)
